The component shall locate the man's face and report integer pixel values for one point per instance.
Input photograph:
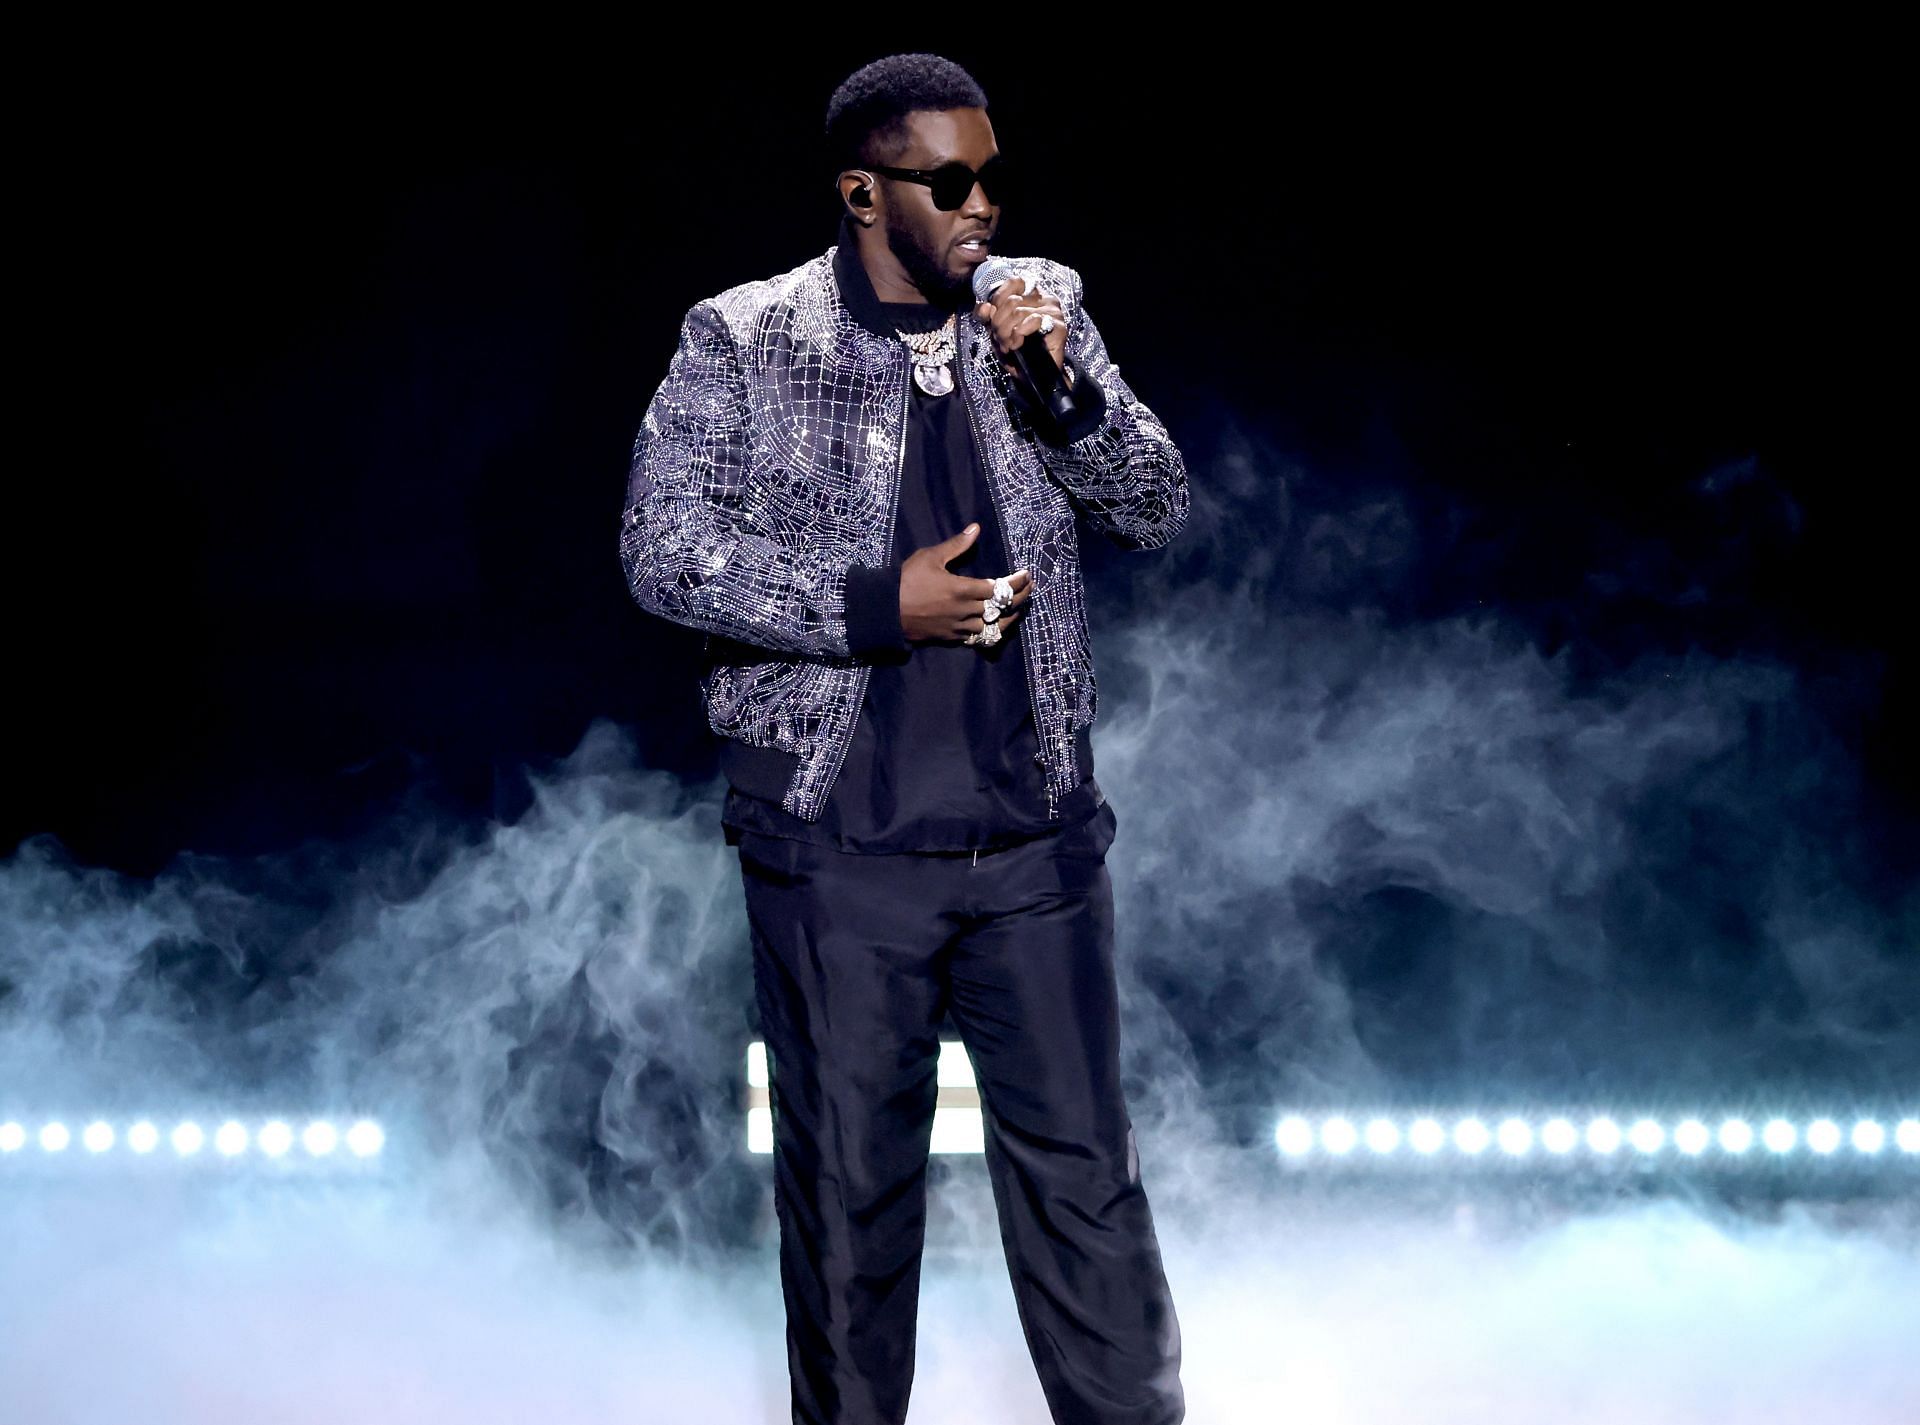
(939, 249)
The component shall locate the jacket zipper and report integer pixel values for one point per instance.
(865, 675)
(980, 450)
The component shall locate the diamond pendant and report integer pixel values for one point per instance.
(934, 380)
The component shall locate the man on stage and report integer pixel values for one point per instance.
(852, 480)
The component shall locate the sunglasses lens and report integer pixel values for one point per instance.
(993, 180)
(953, 184)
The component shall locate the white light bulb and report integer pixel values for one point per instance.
(1470, 1136)
(1382, 1136)
(1516, 1138)
(1294, 1136)
(1337, 1136)
(1559, 1135)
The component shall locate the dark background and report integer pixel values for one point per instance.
(335, 351)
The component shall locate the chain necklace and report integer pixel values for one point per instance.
(931, 351)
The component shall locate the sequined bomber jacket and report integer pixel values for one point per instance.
(762, 494)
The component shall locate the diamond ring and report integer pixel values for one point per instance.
(1046, 324)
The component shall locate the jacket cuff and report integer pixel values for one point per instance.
(873, 611)
(1088, 395)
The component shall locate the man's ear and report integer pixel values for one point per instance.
(856, 191)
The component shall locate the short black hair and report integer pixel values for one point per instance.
(873, 103)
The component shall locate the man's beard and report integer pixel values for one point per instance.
(924, 270)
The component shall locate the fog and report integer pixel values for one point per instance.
(1363, 859)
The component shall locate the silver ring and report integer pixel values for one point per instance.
(1003, 591)
(990, 612)
(1046, 324)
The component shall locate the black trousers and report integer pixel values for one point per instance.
(857, 960)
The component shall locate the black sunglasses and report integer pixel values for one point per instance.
(952, 183)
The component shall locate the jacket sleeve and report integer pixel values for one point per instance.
(1119, 463)
(686, 545)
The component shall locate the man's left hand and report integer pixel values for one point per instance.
(1015, 311)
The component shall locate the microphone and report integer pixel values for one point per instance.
(1036, 363)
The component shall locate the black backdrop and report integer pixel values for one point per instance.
(334, 348)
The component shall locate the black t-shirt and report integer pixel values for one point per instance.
(944, 756)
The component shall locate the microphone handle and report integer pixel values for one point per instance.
(1036, 363)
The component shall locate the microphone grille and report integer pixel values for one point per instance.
(989, 275)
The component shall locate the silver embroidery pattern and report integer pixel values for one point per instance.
(768, 463)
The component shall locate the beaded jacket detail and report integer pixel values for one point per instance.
(768, 463)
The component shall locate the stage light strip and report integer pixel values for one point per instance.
(957, 1125)
(275, 1139)
(957, 1128)
(1343, 1137)
(952, 1070)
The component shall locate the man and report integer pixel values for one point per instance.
(847, 484)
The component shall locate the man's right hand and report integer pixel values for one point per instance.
(938, 605)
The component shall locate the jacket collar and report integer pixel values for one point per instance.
(856, 291)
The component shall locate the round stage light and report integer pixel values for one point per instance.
(98, 1137)
(1736, 1136)
(1427, 1136)
(1779, 1135)
(1603, 1135)
(1337, 1136)
(1470, 1136)
(1690, 1136)
(1382, 1136)
(1558, 1135)
(1868, 1136)
(1515, 1137)
(1647, 1136)
(143, 1137)
(1294, 1136)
